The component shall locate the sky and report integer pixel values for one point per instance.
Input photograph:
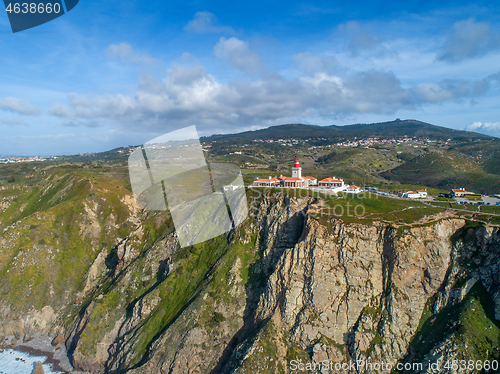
(118, 73)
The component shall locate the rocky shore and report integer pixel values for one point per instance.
(41, 346)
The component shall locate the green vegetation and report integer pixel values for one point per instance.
(471, 325)
(454, 159)
(367, 207)
(57, 217)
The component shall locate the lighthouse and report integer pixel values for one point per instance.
(296, 170)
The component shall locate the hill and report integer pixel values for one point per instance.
(397, 128)
(407, 152)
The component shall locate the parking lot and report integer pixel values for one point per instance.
(485, 199)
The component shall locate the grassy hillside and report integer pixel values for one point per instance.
(397, 128)
(437, 157)
(446, 170)
(72, 239)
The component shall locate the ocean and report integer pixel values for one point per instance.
(25, 364)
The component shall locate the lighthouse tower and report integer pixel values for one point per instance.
(296, 170)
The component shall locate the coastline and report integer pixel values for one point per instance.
(41, 346)
(50, 357)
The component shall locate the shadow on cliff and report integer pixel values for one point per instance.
(290, 233)
(446, 319)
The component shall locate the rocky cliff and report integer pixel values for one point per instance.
(291, 285)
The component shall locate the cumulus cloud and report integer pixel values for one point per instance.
(60, 110)
(310, 64)
(74, 124)
(127, 54)
(238, 54)
(189, 95)
(206, 22)
(449, 89)
(488, 128)
(20, 106)
(359, 41)
(13, 122)
(432, 92)
(99, 106)
(468, 39)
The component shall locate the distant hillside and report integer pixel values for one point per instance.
(397, 128)
(320, 134)
(411, 128)
(469, 160)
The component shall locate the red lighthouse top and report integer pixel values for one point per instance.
(296, 164)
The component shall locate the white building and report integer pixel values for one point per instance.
(312, 181)
(270, 182)
(423, 194)
(295, 181)
(418, 194)
(353, 189)
(331, 183)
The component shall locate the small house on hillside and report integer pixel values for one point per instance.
(270, 182)
(353, 189)
(460, 192)
(331, 183)
(418, 194)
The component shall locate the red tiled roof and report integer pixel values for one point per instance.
(421, 191)
(292, 179)
(331, 180)
(267, 180)
(309, 178)
(353, 186)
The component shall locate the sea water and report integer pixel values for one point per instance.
(25, 364)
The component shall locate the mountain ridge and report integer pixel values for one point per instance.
(408, 127)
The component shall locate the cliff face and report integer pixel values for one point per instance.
(287, 285)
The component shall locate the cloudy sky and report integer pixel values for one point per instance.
(115, 73)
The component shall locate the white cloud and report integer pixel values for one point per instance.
(189, 95)
(60, 110)
(20, 106)
(102, 105)
(127, 54)
(13, 122)
(450, 89)
(206, 22)
(488, 128)
(432, 93)
(81, 123)
(310, 64)
(468, 39)
(238, 54)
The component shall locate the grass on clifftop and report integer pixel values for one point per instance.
(364, 207)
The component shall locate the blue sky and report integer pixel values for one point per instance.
(115, 73)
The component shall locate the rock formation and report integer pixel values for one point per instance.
(289, 285)
(38, 368)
